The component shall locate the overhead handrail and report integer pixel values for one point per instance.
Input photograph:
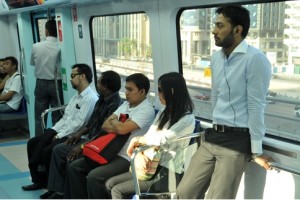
(22, 59)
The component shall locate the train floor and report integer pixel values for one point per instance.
(14, 172)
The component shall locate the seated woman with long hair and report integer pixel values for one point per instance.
(174, 120)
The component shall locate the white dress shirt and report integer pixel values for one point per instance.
(77, 113)
(185, 125)
(14, 84)
(239, 89)
(45, 57)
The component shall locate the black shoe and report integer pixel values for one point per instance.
(46, 195)
(35, 186)
(55, 195)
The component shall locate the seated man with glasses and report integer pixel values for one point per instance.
(77, 114)
(85, 179)
(63, 154)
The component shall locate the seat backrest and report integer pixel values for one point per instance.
(54, 109)
(21, 113)
(22, 108)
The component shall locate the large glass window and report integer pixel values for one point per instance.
(122, 43)
(281, 114)
(41, 29)
(39, 20)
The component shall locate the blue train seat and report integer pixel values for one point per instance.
(21, 113)
(16, 120)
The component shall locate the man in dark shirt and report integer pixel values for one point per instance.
(108, 86)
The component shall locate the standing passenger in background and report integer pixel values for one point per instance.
(77, 114)
(45, 57)
(12, 93)
(240, 80)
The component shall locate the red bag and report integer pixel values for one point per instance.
(103, 149)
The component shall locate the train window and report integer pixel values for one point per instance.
(41, 29)
(279, 41)
(39, 20)
(122, 43)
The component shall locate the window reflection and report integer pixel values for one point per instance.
(122, 43)
(275, 31)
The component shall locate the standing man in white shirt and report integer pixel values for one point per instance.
(77, 114)
(45, 57)
(12, 93)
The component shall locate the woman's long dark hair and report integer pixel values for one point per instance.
(178, 101)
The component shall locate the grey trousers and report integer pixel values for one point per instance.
(87, 180)
(4, 108)
(58, 164)
(122, 186)
(218, 164)
(45, 96)
(254, 181)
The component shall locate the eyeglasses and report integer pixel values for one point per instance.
(159, 90)
(73, 75)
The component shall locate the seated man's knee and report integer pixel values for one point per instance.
(179, 191)
(55, 149)
(94, 178)
(109, 184)
(116, 192)
(73, 168)
(90, 180)
(47, 151)
(58, 148)
(33, 141)
(30, 141)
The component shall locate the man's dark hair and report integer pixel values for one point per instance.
(84, 69)
(140, 80)
(13, 60)
(111, 80)
(51, 28)
(237, 15)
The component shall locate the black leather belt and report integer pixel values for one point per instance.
(223, 129)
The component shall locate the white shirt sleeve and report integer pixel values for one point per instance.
(77, 114)
(183, 127)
